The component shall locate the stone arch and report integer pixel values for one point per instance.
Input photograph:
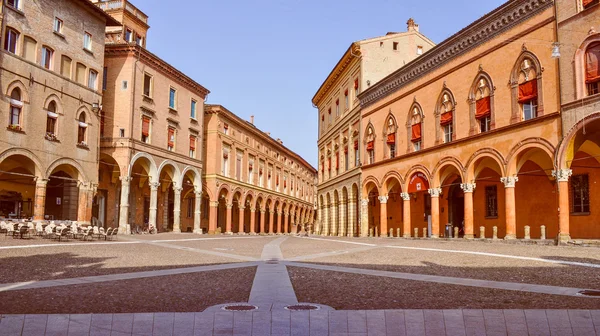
(479, 91)
(389, 138)
(238, 191)
(70, 162)
(87, 114)
(370, 180)
(39, 168)
(388, 178)
(484, 153)
(177, 178)
(514, 165)
(565, 152)
(438, 176)
(416, 169)
(197, 180)
(151, 165)
(227, 189)
(56, 99)
(22, 87)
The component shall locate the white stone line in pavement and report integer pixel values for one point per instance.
(337, 241)
(487, 254)
(121, 276)
(209, 252)
(522, 287)
(272, 285)
(333, 253)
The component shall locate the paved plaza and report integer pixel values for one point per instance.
(177, 284)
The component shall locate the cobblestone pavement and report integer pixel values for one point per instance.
(346, 279)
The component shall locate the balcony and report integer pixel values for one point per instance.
(121, 4)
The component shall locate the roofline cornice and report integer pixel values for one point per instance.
(125, 49)
(483, 30)
(342, 64)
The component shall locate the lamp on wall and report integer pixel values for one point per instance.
(96, 107)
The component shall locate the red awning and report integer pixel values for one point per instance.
(592, 57)
(418, 182)
(329, 163)
(145, 126)
(192, 143)
(391, 139)
(370, 145)
(356, 144)
(416, 132)
(483, 107)
(356, 83)
(528, 91)
(337, 161)
(171, 140)
(446, 118)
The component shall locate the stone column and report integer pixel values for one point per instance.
(262, 221)
(241, 219)
(319, 219)
(326, 222)
(40, 199)
(364, 217)
(343, 219)
(351, 217)
(84, 209)
(468, 189)
(153, 204)
(279, 231)
(562, 177)
(271, 220)
(229, 206)
(212, 221)
(334, 218)
(252, 221)
(124, 211)
(405, 214)
(165, 222)
(177, 209)
(286, 221)
(435, 211)
(383, 215)
(509, 206)
(197, 211)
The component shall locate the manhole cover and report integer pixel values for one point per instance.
(241, 307)
(592, 293)
(302, 307)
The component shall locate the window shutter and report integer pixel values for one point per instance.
(483, 107)
(192, 143)
(370, 145)
(391, 139)
(146, 126)
(528, 91)
(592, 56)
(446, 118)
(416, 132)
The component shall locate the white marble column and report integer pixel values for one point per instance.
(197, 210)
(351, 217)
(177, 209)
(343, 207)
(364, 217)
(326, 222)
(334, 218)
(124, 211)
(153, 204)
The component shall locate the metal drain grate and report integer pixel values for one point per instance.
(302, 307)
(240, 307)
(591, 293)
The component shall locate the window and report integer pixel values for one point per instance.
(269, 184)
(483, 106)
(346, 159)
(14, 3)
(337, 108)
(416, 134)
(491, 201)
(65, 66)
(356, 89)
(193, 109)
(128, 35)
(592, 69)
(47, 54)
(371, 154)
(337, 163)
(171, 139)
(51, 120)
(124, 85)
(485, 124)
(29, 49)
(346, 100)
(261, 182)
(93, 79)
(588, 3)
(381, 44)
(448, 133)
(148, 85)
(58, 25)
(251, 171)
(80, 73)
(356, 154)
(172, 98)
(81, 130)
(238, 167)
(16, 107)
(104, 78)
(529, 109)
(146, 129)
(419, 50)
(192, 146)
(580, 193)
(138, 40)
(10, 40)
(329, 118)
(225, 171)
(395, 45)
(121, 132)
(87, 41)
(226, 128)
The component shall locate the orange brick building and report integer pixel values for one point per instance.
(253, 183)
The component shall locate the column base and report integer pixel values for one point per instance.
(126, 229)
(563, 238)
(469, 236)
(176, 231)
(510, 237)
(435, 236)
(198, 231)
(212, 232)
(406, 236)
(252, 233)
(229, 233)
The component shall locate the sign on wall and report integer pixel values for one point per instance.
(418, 182)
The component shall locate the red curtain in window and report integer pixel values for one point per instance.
(337, 102)
(226, 126)
(356, 144)
(193, 143)
(329, 164)
(277, 180)
(250, 166)
(337, 160)
(528, 91)
(416, 132)
(370, 145)
(225, 155)
(592, 56)
(446, 118)
(145, 126)
(483, 107)
(391, 139)
(356, 83)
(586, 2)
(346, 92)
(171, 137)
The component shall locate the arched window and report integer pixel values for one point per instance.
(51, 118)
(16, 109)
(11, 38)
(592, 70)
(526, 86)
(415, 128)
(390, 132)
(370, 139)
(482, 101)
(444, 114)
(82, 130)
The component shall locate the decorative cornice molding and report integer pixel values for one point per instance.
(338, 70)
(489, 26)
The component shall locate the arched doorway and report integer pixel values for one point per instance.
(488, 197)
(62, 193)
(420, 203)
(18, 187)
(372, 226)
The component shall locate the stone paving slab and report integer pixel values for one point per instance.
(319, 323)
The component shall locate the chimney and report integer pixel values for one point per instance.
(412, 26)
(252, 119)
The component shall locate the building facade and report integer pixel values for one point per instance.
(150, 161)
(475, 123)
(339, 177)
(51, 65)
(252, 182)
(577, 157)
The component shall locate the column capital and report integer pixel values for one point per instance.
(405, 196)
(177, 190)
(435, 192)
(242, 208)
(468, 187)
(229, 205)
(285, 212)
(214, 204)
(383, 199)
(41, 181)
(125, 179)
(364, 202)
(198, 193)
(252, 209)
(562, 175)
(154, 186)
(278, 213)
(262, 211)
(509, 181)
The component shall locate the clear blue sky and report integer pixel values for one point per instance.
(267, 58)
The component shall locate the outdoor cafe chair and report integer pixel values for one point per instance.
(88, 233)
